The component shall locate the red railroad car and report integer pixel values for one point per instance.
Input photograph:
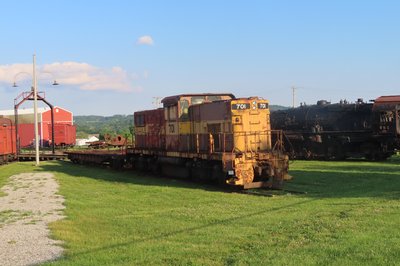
(64, 134)
(26, 134)
(7, 141)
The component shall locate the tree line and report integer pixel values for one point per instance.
(113, 125)
(104, 125)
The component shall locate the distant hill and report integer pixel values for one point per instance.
(278, 107)
(94, 124)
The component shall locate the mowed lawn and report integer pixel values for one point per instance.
(350, 215)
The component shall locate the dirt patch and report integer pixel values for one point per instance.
(30, 204)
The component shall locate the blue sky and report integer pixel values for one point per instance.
(328, 49)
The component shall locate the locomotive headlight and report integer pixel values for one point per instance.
(254, 105)
(231, 172)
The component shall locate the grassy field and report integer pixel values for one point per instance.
(349, 216)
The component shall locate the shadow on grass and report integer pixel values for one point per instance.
(126, 176)
(318, 180)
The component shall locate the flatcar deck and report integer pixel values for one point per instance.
(42, 156)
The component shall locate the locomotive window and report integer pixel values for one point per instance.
(172, 112)
(197, 99)
(183, 109)
(214, 98)
(139, 120)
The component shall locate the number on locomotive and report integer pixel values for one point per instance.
(262, 105)
(240, 106)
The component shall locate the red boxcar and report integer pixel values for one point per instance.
(7, 141)
(26, 134)
(64, 134)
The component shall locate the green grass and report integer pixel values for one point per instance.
(349, 216)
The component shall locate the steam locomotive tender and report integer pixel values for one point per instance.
(341, 130)
(211, 136)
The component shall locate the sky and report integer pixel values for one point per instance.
(118, 57)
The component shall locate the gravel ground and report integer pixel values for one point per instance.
(30, 204)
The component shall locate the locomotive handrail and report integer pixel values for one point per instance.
(214, 142)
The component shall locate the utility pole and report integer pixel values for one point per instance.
(35, 110)
(156, 102)
(293, 95)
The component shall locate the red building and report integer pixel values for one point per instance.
(64, 129)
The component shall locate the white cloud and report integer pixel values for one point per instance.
(81, 75)
(145, 40)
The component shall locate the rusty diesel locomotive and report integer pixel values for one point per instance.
(341, 130)
(8, 150)
(211, 136)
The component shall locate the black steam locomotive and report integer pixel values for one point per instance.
(341, 130)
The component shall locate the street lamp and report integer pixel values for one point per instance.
(35, 111)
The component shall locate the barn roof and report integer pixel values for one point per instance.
(27, 111)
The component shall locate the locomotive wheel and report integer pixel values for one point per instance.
(155, 168)
(340, 154)
(376, 156)
(200, 174)
(218, 175)
(176, 171)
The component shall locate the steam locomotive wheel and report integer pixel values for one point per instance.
(373, 152)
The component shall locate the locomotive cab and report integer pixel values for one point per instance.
(386, 111)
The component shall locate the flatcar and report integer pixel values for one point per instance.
(7, 141)
(341, 130)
